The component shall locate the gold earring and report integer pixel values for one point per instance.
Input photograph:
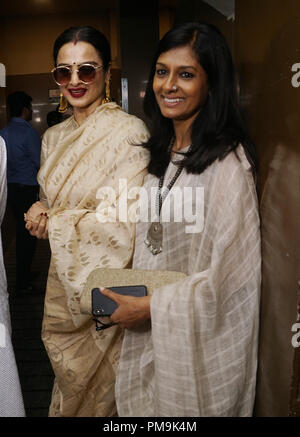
(107, 92)
(63, 103)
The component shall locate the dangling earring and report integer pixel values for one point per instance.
(63, 103)
(107, 92)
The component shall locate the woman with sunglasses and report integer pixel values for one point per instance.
(94, 148)
(199, 356)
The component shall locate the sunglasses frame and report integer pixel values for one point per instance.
(69, 67)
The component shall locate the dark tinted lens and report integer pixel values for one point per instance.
(62, 75)
(86, 73)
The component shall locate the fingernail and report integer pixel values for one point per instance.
(101, 288)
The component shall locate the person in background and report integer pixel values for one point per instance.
(59, 115)
(53, 118)
(92, 149)
(198, 357)
(11, 401)
(23, 144)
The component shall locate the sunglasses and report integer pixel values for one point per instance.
(86, 73)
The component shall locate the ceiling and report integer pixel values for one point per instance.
(42, 7)
(226, 7)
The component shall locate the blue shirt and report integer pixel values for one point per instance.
(23, 145)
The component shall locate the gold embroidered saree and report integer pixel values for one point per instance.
(78, 162)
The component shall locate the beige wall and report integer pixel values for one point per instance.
(28, 40)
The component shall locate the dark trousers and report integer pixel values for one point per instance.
(20, 198)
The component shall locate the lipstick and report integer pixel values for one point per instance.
(77, 92)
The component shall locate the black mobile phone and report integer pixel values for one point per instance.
(103, 306)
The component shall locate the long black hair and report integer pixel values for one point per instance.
(86, 34)
(218, 128)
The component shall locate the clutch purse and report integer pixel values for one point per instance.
(108, 278)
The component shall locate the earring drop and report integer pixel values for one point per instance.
(107, 92)
(63, 103)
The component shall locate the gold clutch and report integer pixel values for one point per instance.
(107, 278)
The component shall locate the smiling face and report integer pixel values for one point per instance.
(80, 95)
(180, 84)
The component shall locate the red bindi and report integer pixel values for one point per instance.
(75, 40)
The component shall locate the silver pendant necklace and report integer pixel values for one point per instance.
(154, 238)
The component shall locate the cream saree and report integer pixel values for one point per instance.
(85, 233)
(200, 356)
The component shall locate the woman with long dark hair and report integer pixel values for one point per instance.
(199, 356)
(90, 150)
